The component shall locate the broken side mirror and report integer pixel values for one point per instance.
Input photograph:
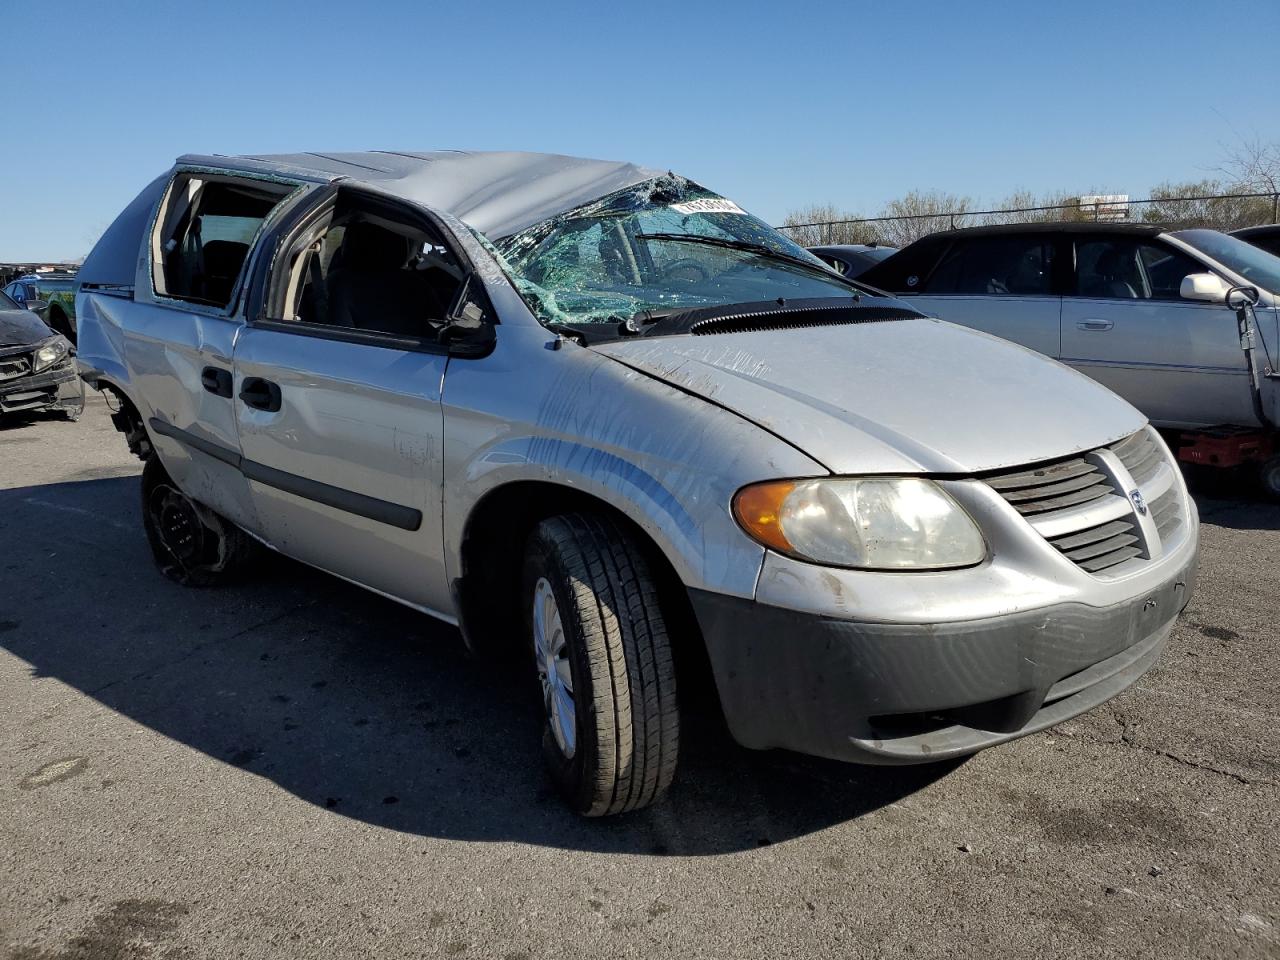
(468, 331)
(1208, 287)
(35, 306)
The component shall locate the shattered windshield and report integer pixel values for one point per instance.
(657, 247)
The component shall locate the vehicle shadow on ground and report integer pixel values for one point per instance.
(1232, 499)
(11, 423)
(361, 706)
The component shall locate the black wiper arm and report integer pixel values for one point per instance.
(730, 244)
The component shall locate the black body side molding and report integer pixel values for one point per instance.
(393, 514)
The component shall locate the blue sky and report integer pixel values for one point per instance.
(777, 105)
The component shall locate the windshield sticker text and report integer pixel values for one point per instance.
(708, 205)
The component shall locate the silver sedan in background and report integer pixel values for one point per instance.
(1137, 307)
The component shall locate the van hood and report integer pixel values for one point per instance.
(18, 328)
(915, 395)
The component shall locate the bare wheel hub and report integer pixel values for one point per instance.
(178, 524)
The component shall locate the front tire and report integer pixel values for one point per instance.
(191, 544)
(604, 665)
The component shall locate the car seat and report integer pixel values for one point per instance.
(1108, 277)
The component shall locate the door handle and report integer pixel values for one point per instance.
(260, 394)
(217, 381)
(1094, 324)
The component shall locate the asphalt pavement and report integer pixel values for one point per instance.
(294, 767)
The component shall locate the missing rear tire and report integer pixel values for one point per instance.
(191, 544)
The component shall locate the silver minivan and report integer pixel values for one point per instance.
(603, 416)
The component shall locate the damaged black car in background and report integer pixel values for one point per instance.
(37, 369)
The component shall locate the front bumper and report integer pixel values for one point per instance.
(59, 388)
(887, 693)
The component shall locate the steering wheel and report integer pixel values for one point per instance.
(686, 266)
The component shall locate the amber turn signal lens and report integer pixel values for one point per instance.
(758, 509)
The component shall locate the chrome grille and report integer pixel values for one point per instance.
(1100, 547)
(1079, 505)
(1052, 487)
(1140, 456)
(1165, 512)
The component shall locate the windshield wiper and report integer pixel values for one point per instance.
(759, 249)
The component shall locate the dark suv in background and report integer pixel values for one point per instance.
(852, 259)
(1266, 237)
(37, 366)
(51, 295)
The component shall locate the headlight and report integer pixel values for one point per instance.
(878, 523)
(48, 354)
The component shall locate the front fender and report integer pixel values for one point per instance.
(570, 417)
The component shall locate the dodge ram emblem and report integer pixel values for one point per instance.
(1139, 502)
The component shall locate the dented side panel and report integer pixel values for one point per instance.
(158, 356)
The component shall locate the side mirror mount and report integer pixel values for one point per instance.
(36, 306)
(1208, 287)
(1240, 297)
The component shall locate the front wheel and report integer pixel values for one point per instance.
(604, 665)
(191, 544)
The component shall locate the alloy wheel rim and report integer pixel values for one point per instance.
(551, 649)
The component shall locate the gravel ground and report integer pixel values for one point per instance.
(297, 768)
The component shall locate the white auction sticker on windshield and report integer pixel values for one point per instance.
(708, 205)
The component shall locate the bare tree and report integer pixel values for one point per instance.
(1254, 165)
(1206, 203)
(1022, 206)
(1251, 168)
(823, 224)
(919, 214)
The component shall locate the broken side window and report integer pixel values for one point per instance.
(204, 232)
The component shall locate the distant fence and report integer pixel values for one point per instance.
(1225, 211)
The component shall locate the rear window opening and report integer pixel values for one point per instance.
(204, 233)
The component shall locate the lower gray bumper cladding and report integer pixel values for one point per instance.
(895, 694)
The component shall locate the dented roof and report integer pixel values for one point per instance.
(497, 193)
